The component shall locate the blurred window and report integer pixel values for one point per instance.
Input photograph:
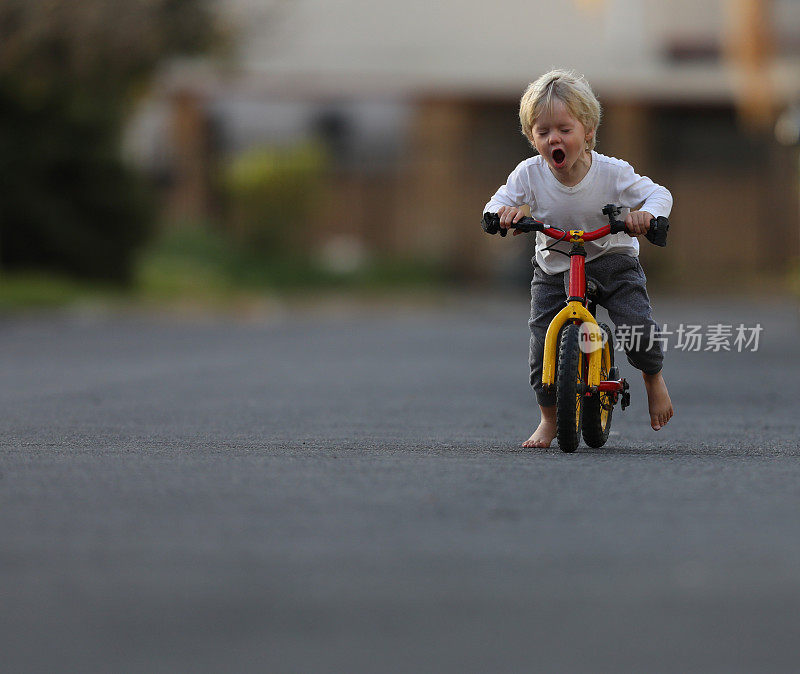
(703, 136)
(495, 139)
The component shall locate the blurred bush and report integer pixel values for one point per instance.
(272, 192)
(69, 72)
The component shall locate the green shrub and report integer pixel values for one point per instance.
(271, 192)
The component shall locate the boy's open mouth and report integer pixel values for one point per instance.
(559, 156)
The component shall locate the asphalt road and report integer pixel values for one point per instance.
(345, 492)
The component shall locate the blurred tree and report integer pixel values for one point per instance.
(69, 72)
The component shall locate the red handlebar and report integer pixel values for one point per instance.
(656, 233)
(587, 236)
(597, 233)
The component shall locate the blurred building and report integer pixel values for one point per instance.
(418, 105)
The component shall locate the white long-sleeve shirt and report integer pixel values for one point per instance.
(608, 181)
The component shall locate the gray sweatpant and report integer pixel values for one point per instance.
(622, 291)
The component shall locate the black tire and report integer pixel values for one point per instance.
(569, 401)
(598, 408)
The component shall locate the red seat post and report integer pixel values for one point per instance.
(577, 276)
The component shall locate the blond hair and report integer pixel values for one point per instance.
(568, 87)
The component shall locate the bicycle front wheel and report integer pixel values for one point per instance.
(570, 378)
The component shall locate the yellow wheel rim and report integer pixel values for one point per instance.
(605, 403)
(579, 395)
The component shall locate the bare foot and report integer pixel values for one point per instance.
(544, 434)
(658, 400)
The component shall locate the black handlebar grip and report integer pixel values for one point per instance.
(657, 234)
(527, 224)
(617, 226)
(491, 223)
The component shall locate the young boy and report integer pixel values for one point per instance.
(566, 185)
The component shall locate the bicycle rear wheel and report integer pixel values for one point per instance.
(598, 408)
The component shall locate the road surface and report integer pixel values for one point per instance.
(343, 491)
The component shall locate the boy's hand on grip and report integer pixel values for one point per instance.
(510, 215)
(638, 222)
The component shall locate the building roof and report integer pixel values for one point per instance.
(637, 48)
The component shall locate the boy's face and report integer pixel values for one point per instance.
(561, 139)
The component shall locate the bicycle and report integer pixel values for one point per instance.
(578, 351)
